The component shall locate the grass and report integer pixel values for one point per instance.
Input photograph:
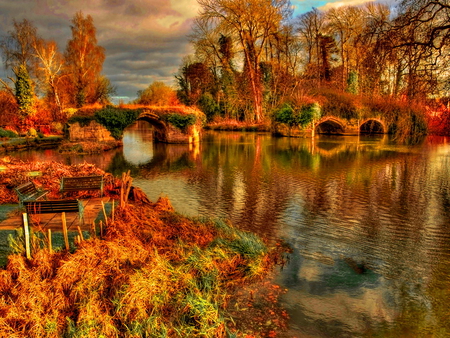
(155, 273)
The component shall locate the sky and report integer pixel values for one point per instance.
(144, 40)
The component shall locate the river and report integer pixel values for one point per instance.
(368, 219)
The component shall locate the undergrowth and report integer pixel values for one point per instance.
(154, 274)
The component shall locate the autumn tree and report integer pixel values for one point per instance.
(84, 58)
(157, 94)
(49, 70)
(194, 79)
(251, 22)
(17, 52)
(422, 32)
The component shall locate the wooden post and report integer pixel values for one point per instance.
(121, 190)
(101, 229)
(104, 213)
(112, 213)
(93, 230)
(27, 235)
(64, 225)
(80, 233)
(50, 246)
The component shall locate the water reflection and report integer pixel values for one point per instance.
(368, 220)
(137, 144)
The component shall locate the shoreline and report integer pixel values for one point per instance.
(190, 273)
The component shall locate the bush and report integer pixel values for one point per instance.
(403, 119)
(180, 121)
(308, 113)
(339, 104)
(82, 120)
(32, 132)
(304, 116)
(286, 115)
(116, 119)
(7, 133)
(209, 106)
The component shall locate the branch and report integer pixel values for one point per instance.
(6, 86)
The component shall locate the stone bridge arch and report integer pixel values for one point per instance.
(160, 127)
(165, 131)
(330, 125)
(372, 126)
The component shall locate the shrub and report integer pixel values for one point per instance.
(7, 133)
(308, 113)
(304, 116)
(32, 132)
(286, 115)
(70, 112)
(116, 119)
(343, 105)
(209, 106)
(82, 120)
(57, 127)
(180, 121)
(403, 118)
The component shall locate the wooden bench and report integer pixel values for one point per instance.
(52, 206)
(70, 184)
(29, 192)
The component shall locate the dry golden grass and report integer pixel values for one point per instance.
(153, 274)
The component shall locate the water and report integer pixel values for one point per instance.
(368, 219)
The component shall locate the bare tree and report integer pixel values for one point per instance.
(49, 69)
(17, 46)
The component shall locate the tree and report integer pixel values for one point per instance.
(251, 22)
(17, 47)
(17, 51)
(49, 70)
(103, 89)
(194, 79)
(157, 94)
(24, 92)
(84, 58)
(428, 19)
(422, 32)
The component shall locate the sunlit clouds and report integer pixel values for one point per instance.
(144, 41)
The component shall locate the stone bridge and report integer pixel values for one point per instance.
(335, 126)
(340, 126)
(164, 129)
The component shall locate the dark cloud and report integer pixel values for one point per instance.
(144, 40)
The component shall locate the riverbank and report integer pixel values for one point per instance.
(234, 125)
(22, 143)
(152, 271)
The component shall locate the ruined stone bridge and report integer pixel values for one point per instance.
(340, 126)
(170, 125)
(336, 126)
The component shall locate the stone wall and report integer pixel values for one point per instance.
(281, 129)
(92, 132)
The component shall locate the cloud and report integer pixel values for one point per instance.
(337, 4)
(144, 41)
(303, 6)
